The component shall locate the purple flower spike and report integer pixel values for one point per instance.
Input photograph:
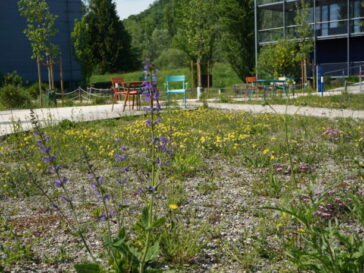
(124, 148)
(44, 149)
(102, 217)
(124, 182)
(54, 169)
(151, 189)
(148, 123)
(125, 169)
(59, 182)
(140, 191)
(121, 157)
(48, 159)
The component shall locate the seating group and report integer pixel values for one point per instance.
(132, 90)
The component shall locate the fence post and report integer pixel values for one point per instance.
(79, 94)
(198, 93)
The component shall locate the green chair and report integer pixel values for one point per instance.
(176, 85)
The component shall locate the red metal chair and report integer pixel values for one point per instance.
(251, 85)
(116, 84)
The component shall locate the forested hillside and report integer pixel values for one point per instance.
(171, 33)
(152, 32)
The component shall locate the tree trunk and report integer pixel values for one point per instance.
(61, 77)
(302, 80)
(305, 70)
(49, 75)
(208, 76)
(52, 73)
(39, 81)
(193, 74)
(199, 82)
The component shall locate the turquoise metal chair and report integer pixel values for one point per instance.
(180, 83)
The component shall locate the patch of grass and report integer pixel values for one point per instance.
(345, 101)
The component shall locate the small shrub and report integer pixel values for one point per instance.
(353, 78)
(33, 90)
(12, 78)
(67, 124)
(12, 96)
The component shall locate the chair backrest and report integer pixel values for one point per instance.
(179, 78)
(250, 79)
(116, 83)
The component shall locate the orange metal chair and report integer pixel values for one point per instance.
(251, 85)
(116, 83)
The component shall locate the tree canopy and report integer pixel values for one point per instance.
(101, 41)
(237, 34)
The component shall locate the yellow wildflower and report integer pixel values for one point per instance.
(173, 206)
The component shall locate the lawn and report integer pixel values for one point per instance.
(238, 192)
(222, 76)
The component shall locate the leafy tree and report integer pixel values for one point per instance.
(278, 59)
(237, 34)
(197, 31)
(101, 41)
(81, 38)
(40, 31)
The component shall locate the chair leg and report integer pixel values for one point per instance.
(125, 99)
(185, 99)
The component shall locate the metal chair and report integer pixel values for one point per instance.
(179, 81)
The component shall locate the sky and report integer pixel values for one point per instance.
(125, 8)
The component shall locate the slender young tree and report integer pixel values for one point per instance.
(101, 41)
(197, 30)
(40, 31)
(304, 37)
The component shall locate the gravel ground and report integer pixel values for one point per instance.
(228, 209)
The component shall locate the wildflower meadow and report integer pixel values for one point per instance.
(184, 191)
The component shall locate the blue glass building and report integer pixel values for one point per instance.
(15, 49)
(338, 31)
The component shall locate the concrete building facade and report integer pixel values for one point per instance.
(15, 49)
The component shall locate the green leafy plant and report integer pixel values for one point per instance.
(12, 96)
(12, 78)
(324, 246)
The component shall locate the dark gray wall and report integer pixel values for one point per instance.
(15, 50)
